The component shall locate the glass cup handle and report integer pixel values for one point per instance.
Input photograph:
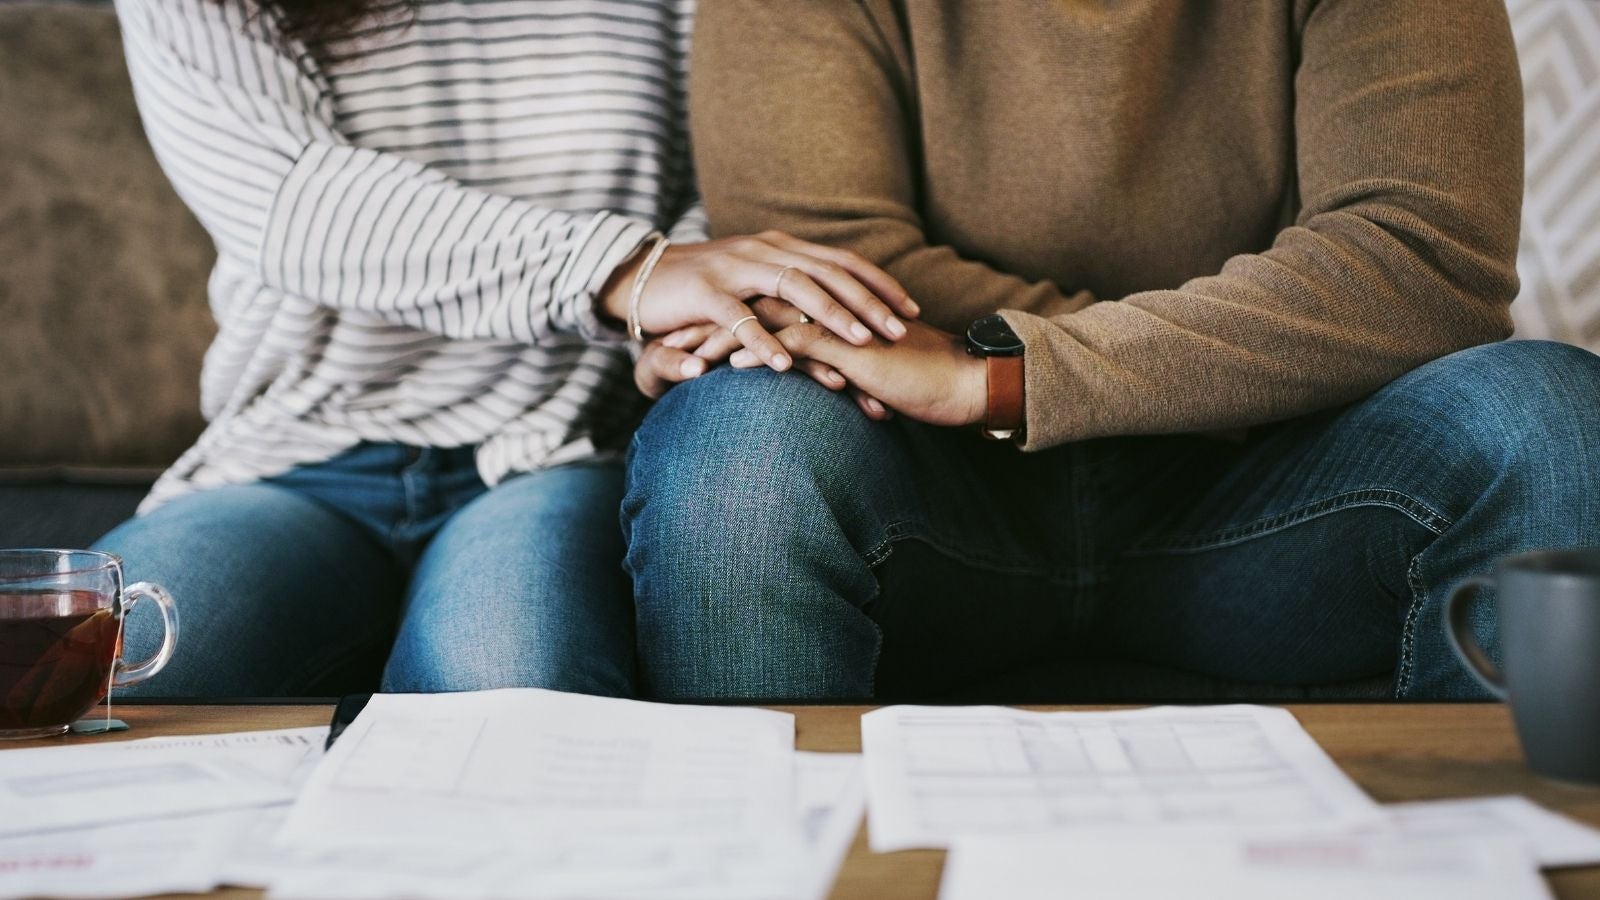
(1461, 639)
(126, 674)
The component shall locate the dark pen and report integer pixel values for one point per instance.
(350, 706)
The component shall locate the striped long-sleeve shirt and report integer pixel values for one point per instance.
(413, 223)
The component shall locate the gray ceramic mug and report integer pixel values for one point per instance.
(1548, 609)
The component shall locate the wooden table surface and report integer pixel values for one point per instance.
(1395, 751)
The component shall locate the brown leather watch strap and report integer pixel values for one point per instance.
(1006, 407)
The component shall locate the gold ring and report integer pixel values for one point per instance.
(777, 284)
(734, 328)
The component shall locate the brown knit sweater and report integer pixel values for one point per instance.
(1290, 202)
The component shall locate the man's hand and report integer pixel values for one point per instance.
(926, 375)
(690, 352)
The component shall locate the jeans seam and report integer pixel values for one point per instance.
(879, 554)
(1413, 508)
(1406, 665)
(907, 530)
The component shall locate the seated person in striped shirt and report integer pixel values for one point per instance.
(1291, 220)
(436, 225)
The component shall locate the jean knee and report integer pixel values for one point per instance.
(446, 669)
(1499, 405)
(744, 449)
(741, 490)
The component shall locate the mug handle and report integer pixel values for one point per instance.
(1461, 639)
(126, 674)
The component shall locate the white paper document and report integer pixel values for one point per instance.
(935, 774)
(689, 853)
(830, 799)
(174, 852)
(1552, 840)
(138, 859)
(1057, 867)
(533, 793)
(55, 788)
(505, 766)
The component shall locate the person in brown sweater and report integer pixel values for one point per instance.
(1251, 262)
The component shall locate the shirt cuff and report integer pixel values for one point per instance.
(608, 242)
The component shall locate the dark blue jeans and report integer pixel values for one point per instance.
(392, 559)
(783, 546)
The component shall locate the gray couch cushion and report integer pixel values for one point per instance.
(52, 514)
(103, 317)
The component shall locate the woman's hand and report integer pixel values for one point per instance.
(709, 283)
(690, 352)
(927, 375)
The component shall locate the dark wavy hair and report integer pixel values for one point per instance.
(316, 23)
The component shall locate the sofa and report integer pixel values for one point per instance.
(104, 319)
(103, 316)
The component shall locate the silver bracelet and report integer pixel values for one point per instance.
(635, 330)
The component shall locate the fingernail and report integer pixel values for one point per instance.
(860, 332)
(693, 367)
(875, 406)
(781, 362)
(912, 306)
(895, 327)
(835, 378)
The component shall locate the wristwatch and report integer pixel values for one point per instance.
(992, 339)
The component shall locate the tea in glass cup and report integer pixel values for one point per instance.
(61, 614)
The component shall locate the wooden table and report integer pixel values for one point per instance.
(1396, 752)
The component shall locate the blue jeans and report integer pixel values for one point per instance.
(783, 546)
(389, 559)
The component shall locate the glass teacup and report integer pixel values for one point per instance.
(61, 614)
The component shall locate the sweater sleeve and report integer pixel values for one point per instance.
(1409, 162)
(247, 137)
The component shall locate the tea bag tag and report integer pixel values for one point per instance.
(98, 726)
(108, 724)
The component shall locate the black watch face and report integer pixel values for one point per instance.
(992, 336)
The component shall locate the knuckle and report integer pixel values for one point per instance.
(832, 270)
(722, 267)
(792, 339)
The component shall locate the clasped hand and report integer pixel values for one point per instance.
(835, 322)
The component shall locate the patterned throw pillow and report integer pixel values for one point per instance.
(1559, 44)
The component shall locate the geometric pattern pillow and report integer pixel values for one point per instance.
(1558, 43)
